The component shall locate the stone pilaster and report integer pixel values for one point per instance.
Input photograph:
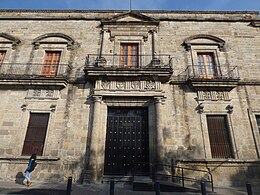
(159, 133)
(92, 165)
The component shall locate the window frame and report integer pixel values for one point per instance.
(205, 69)
(50, 66)
(228, 134)
(213, 50)
(3, 58)
(257, 122)
(129, 57)
(23, 152)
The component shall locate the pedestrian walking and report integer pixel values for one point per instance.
(30, 167)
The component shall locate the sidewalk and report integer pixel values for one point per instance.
(39, 188)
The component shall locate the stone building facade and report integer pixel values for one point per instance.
(96, 93)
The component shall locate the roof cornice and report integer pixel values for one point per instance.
(122, 11)
(157, 15)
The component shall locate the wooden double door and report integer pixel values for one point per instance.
(127, 142)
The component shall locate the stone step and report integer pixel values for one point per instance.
(148, 185)
(108, 178)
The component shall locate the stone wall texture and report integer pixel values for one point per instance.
(178, 105)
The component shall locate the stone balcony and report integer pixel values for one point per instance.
(36, 75)
(205, 78)
(119, 67)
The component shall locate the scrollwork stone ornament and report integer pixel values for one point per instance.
(213, 95)
(97, 98)
(105, 84)
(24, 107)
(36, 93)
(200, 108)
(120, 85)
(53, 108)
(49, 93)
(136, 85)
(42, 93)
(150, 85)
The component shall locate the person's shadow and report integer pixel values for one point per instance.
(19, 178)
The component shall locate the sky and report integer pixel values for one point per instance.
(201, 5)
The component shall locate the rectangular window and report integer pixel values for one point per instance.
(129, 55)
(51, 62)
(206, 65)
(2, 56)
(36, 133)
(258, 121)
(219, 136)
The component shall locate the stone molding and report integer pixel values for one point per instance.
(42, 94)
(170, 15)
(11, 39)
(213, 95)
(39, 40)
(148, 85)
(130, 18)
(216, 41)
(255, 23)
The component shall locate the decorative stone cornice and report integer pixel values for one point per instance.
(216, 41)
(129, 85)
(69, 41)
(130, 18)
(97, 98)
(255, 23)
(98, 15)
(213, 95)
(10, 39)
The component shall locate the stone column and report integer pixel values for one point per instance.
(92, 164)
(159, 133)
(153, 43)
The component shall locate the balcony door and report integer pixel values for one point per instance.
(206, 65)
(51, 62)
(129, 55)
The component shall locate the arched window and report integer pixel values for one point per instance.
(53, 53)
(204, 50)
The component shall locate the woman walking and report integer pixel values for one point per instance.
(30, 167)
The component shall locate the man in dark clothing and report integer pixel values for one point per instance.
(30, 167)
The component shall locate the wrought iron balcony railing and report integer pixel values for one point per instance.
(128, 61)
(10, 70)
(210, 73)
